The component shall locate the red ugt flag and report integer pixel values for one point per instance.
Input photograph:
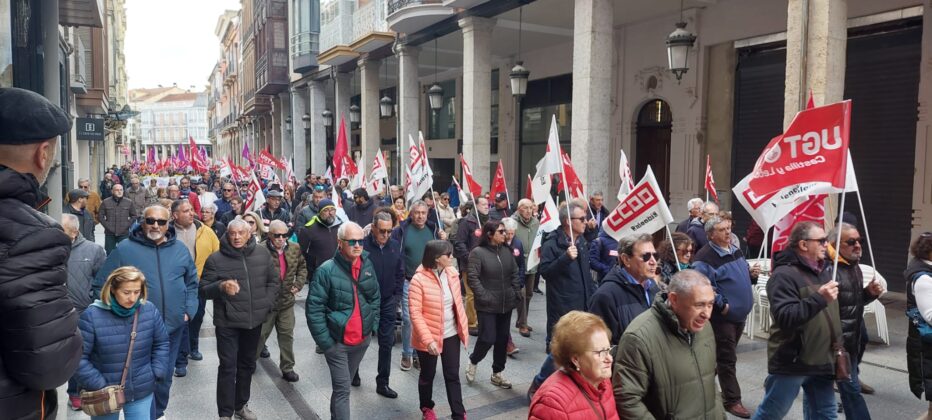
(498, 184)
(576, 186)
(709, 180)
(343, 165)
(474, 188)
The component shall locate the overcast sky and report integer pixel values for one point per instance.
(172, 41)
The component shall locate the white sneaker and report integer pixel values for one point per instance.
(471, 373)
(499, 380)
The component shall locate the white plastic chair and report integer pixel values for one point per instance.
(760, 311)
(876, 308)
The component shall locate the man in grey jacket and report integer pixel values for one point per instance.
(116, 215)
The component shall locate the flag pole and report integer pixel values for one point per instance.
(841, 213)
(870, 249)
(566, 192)
(672, 245)
(763, 249)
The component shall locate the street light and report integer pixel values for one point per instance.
(288, 123)
(679, 42)
(385, 106)
(519, 74)
(354, 114)
(307, 121)
(328, 118)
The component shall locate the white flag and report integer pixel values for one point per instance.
(421, 178)
(338, 203)
(379, 172)
(642, 211)
(768, 209)
(254, 196)
(540, 183)
(553, 159)
(549, 221)
(627, 181)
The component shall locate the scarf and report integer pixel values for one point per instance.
(116, 308)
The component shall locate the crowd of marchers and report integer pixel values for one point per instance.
(635, 327)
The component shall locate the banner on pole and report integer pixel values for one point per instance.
(642, 211)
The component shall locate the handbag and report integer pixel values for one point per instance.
(110, 399)
(915, 317)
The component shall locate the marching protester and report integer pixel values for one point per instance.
(696, 229)
(256, 227)
(500, 210)
(665, 361)
(136, 193)
(603, 255)
(93, 198)
(447, 214)
(413, 234)
(852, 297)
(802, 304)
(694, 209)
(77, 207)
(582, 385)
(318, 237)
(307, 187)
(495, 283)
(243, 282)
(362, 209)
(125, 344)
(152, 192)
(310, 210)
(439, 326)
(468, 236)
(209, 218)
(273, 208)
(343, 306)
(516, 247)
(525, 231)
(116, 216)
(171, 281)
(236, 208)
(388, 262)
(564, 263)
(724, 265)
(674, 256)
(597, 211)
(200, 241)
(401, 212)
(205, 196)
(224, 203)
(292, 270)
(918, 275)
(85, 260)
(106, 185)
(629, 288)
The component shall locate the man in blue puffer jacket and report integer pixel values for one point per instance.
(171, 278)
(730, 276)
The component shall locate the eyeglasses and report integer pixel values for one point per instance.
(821, 241)
(686, 251)
(852, 241)
(228, 189)
(578, 218)
(383, 231)
(648, 255)
(279, 235)
(152, 221)
(604, 352)
(353, 242)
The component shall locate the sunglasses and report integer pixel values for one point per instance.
(228, 189)
(821, 241)
(353, 242)
(279, 235)
(648, 255)
(851, 242)
(383, 231)
(152, 221)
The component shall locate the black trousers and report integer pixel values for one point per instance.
(237, 350)
(450, 357)
(386, 341)
(727, 334)
(493, 331)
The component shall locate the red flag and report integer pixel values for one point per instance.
(813, 149)
(529, 193)
(498, 184)
(474, 188)
(811, 210)
(343, 165)
(576, 186)
(709, 180)
(810, 103)
(266, 158)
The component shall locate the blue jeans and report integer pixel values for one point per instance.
(163, 387)
(851, 399)
(546, 369)
(406, 349)
(781, 390)
(132, 410)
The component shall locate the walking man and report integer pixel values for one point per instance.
(243, 282)
(343, 306)
(293, 273)
(388, 262)
(116, 215)
(77, 206)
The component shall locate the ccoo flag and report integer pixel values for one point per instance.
(642, 211)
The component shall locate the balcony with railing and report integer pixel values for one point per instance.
(463, 4)
(409, 16)
(304, 49)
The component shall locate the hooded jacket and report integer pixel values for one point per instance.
(569, 282)
(330, 300)
(800, 342)
(618, 300)
(259, 284)
(306, 214)
(918, 353)
(41, 346)
(171, 277)
(662, 372)
(106, 343)
(494, 278)
(318, 241)
(526, 231)
(86, 259)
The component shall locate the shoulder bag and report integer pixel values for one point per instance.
(110, 399)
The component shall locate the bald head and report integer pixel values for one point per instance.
(35, 158)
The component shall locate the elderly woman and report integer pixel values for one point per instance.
(582, 387)
(401, 212)
(919, 298)
(208, 216)
(438, 321)
(674, 256)
(493, 276)
(107, 327)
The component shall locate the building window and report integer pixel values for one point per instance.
(545, 99)
(441, 124)
(493, 136)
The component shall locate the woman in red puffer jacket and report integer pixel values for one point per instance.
(582, 388)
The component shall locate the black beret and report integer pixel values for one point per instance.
(27, 117)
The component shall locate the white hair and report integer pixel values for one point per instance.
(341, 231)
(510, 224)
(70, 222)
(693, 203)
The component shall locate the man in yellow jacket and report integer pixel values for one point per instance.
(201, 241)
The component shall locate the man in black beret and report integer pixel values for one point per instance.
(41, 346)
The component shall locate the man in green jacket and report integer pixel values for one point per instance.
(665, 361)
(526, 231)
(343, 312)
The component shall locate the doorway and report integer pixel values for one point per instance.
(653, 132)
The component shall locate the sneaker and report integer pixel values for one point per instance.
(181, 372)
(499, 380)
(471, 373)
(264, 353)
(195, 355)
(406, 363)
(417, 363)
(290, 376)
(512, 349)
(428, 414)
(245, 414)
(75, 402)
